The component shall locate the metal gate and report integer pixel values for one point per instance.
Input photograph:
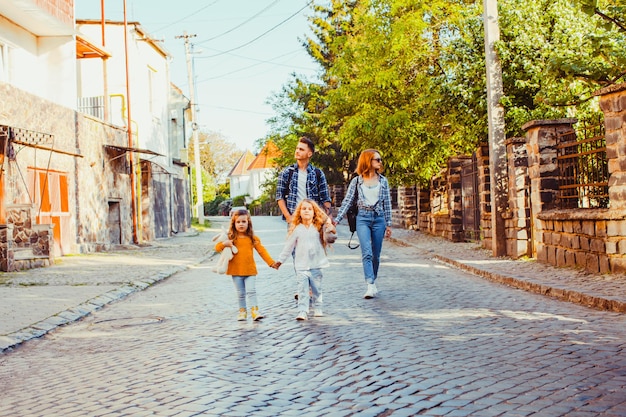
(160, 206)
(469, 199)
(114, 223)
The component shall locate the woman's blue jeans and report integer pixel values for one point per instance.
(245, 286)
(370, 228)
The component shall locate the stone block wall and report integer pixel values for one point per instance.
(445, 218)
(613, 104)
(484, 194)
(589, 238)
(594, 240)
(408, 206)
(517, 217)
(541, 141)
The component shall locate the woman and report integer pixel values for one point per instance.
(373, 223)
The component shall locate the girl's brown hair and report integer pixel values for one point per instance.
(319, 218)
(365, 161)
(232, 231)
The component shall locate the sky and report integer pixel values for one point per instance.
(244, 51)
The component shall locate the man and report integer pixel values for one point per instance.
(302, 180)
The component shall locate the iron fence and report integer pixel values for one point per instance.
(583, 169)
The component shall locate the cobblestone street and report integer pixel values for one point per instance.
(437, 341)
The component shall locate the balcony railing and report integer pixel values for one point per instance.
(93, 106)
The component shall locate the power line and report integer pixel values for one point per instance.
(186, 17)
(262, 34)
(238, 110)
(259, 62)
(241, 24)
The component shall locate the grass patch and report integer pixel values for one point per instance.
(200, 227)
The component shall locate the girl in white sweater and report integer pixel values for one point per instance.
(306, 238)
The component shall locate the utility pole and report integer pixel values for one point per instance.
(495, 113)
(199, 209)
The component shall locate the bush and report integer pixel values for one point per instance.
(217, 206)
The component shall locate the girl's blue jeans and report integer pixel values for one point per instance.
(370, 228)
(312, 279)
(245, 286)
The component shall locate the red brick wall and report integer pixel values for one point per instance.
(60, 9)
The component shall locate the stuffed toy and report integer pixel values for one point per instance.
(330, 233)
(226, 255)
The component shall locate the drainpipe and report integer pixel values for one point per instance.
(133, 179)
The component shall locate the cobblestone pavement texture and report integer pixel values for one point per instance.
(437, 341)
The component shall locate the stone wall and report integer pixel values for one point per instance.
(445, 217)
(517, 217)
(590, 238)
(408, 207)
(484, 194)
(594, 240)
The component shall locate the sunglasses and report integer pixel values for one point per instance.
(377, 160)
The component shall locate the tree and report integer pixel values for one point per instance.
(408, 77)
(217, 155)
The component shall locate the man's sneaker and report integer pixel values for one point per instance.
(371, 291)
(255, 314)
(242, 315)
(318, 313)
(302, 316)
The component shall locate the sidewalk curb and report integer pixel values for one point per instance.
(576, 297)
(563, 294)
(74, 314)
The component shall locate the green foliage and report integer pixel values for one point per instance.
(212, 207)
(239, 200)
(408, 78)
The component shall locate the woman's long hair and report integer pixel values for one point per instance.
(364, 163)
(319, 218)
(232, 231)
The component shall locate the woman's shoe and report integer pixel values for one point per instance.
(302, 316)
(254, 313)
(242, 315)
(371, 291)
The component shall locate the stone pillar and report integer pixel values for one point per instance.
(613, 104)
(7, 256)
(484, 194)
(541, 140)
(408, 206)
(518, 241)
(455, 202)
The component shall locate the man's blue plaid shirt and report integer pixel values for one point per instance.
(316, 192)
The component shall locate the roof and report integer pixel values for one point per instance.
(241, 167)
(265, 158)
(140, 33)
(85, 48)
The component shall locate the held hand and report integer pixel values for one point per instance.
(275, 265)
